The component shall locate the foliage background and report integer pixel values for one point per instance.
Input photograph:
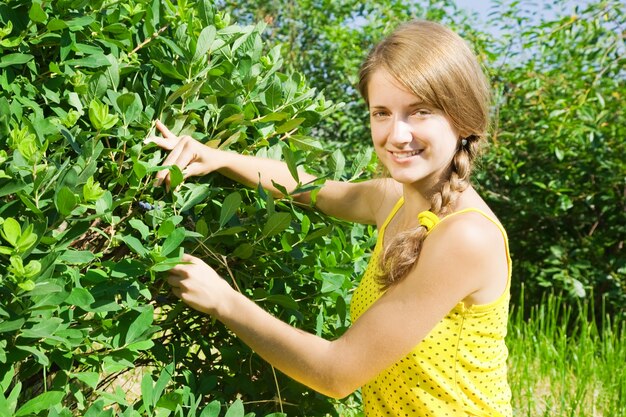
(86, 325)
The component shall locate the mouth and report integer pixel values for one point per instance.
(404, 154)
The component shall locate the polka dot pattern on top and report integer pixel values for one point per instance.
(459, 369)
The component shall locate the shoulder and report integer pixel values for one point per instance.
(469, 235)
(469, 227)
(470, 246)
(384, 195)
(362, 202)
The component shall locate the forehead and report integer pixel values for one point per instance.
(383, 91)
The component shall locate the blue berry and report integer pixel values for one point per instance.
(145, 206)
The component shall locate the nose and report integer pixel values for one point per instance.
(400, 133)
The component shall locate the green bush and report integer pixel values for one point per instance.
(554, 169)
(87, 326)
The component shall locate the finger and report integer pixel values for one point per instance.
(177, 292)
(174, 280)
(183, 160)
(190, 258)
(194, 169)
(164, 130)
(167, 144)
(163, 175)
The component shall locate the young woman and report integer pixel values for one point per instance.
(430, 314)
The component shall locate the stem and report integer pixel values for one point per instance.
(150, 39)
(280, 400)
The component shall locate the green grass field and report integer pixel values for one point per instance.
(561, 369)
(561, 363)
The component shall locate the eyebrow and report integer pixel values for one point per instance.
(414, 104)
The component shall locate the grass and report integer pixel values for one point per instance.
(561, 362)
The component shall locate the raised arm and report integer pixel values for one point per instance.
(348, 201)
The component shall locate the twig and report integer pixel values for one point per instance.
(150, 39)
(280, 399)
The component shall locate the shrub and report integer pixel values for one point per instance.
(87, 239)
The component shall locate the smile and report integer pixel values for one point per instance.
(404, 155)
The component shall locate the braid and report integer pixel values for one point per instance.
(404, 250)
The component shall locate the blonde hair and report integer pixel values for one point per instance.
(437, 66)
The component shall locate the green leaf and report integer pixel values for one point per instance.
(99, 116)
(290, 159)
(32, 269)
(559, 154)
(205, 40)
(91, 61)
(173, 241)
(197, 194)
(11, 231)
(273, 95)
(289, 125)
(274, 117)
(77, 257)
(27, 285)
(37, 14)
(135, 244)
(43, 329)
(276, 224)
(12, 188)
(176, 176)
(361, 162)
(236, 409)
(243, 251)
(141, 227)
(282, 300)
(89, 378)
(40, 403)
(212, 409)
(15, 59)
(92, 190)
(130, 105)
(305, 143)
(146, 392)
(229, 207)
(65, 201)
(56, 24)
(80, 297)
(338, 164)
(140, 325)
(39, 355)
(170, 401)
(164, 378)
(11, 325)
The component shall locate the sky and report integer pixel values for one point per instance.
(541, 8)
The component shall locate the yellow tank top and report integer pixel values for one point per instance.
(459, 369)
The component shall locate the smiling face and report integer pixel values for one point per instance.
(414, 141)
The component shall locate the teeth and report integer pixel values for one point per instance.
(402, 155)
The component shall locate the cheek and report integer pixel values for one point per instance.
(377, 136)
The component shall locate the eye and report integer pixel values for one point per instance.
(421, 112)
(379, 113)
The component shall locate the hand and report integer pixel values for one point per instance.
(199, 286)
(192, 157)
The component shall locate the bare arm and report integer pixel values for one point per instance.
(344, 200)
(386, 332)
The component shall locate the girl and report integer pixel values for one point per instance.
(430, 314)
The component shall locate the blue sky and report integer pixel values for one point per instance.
(538, 9)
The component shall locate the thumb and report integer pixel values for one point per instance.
(194, 169)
